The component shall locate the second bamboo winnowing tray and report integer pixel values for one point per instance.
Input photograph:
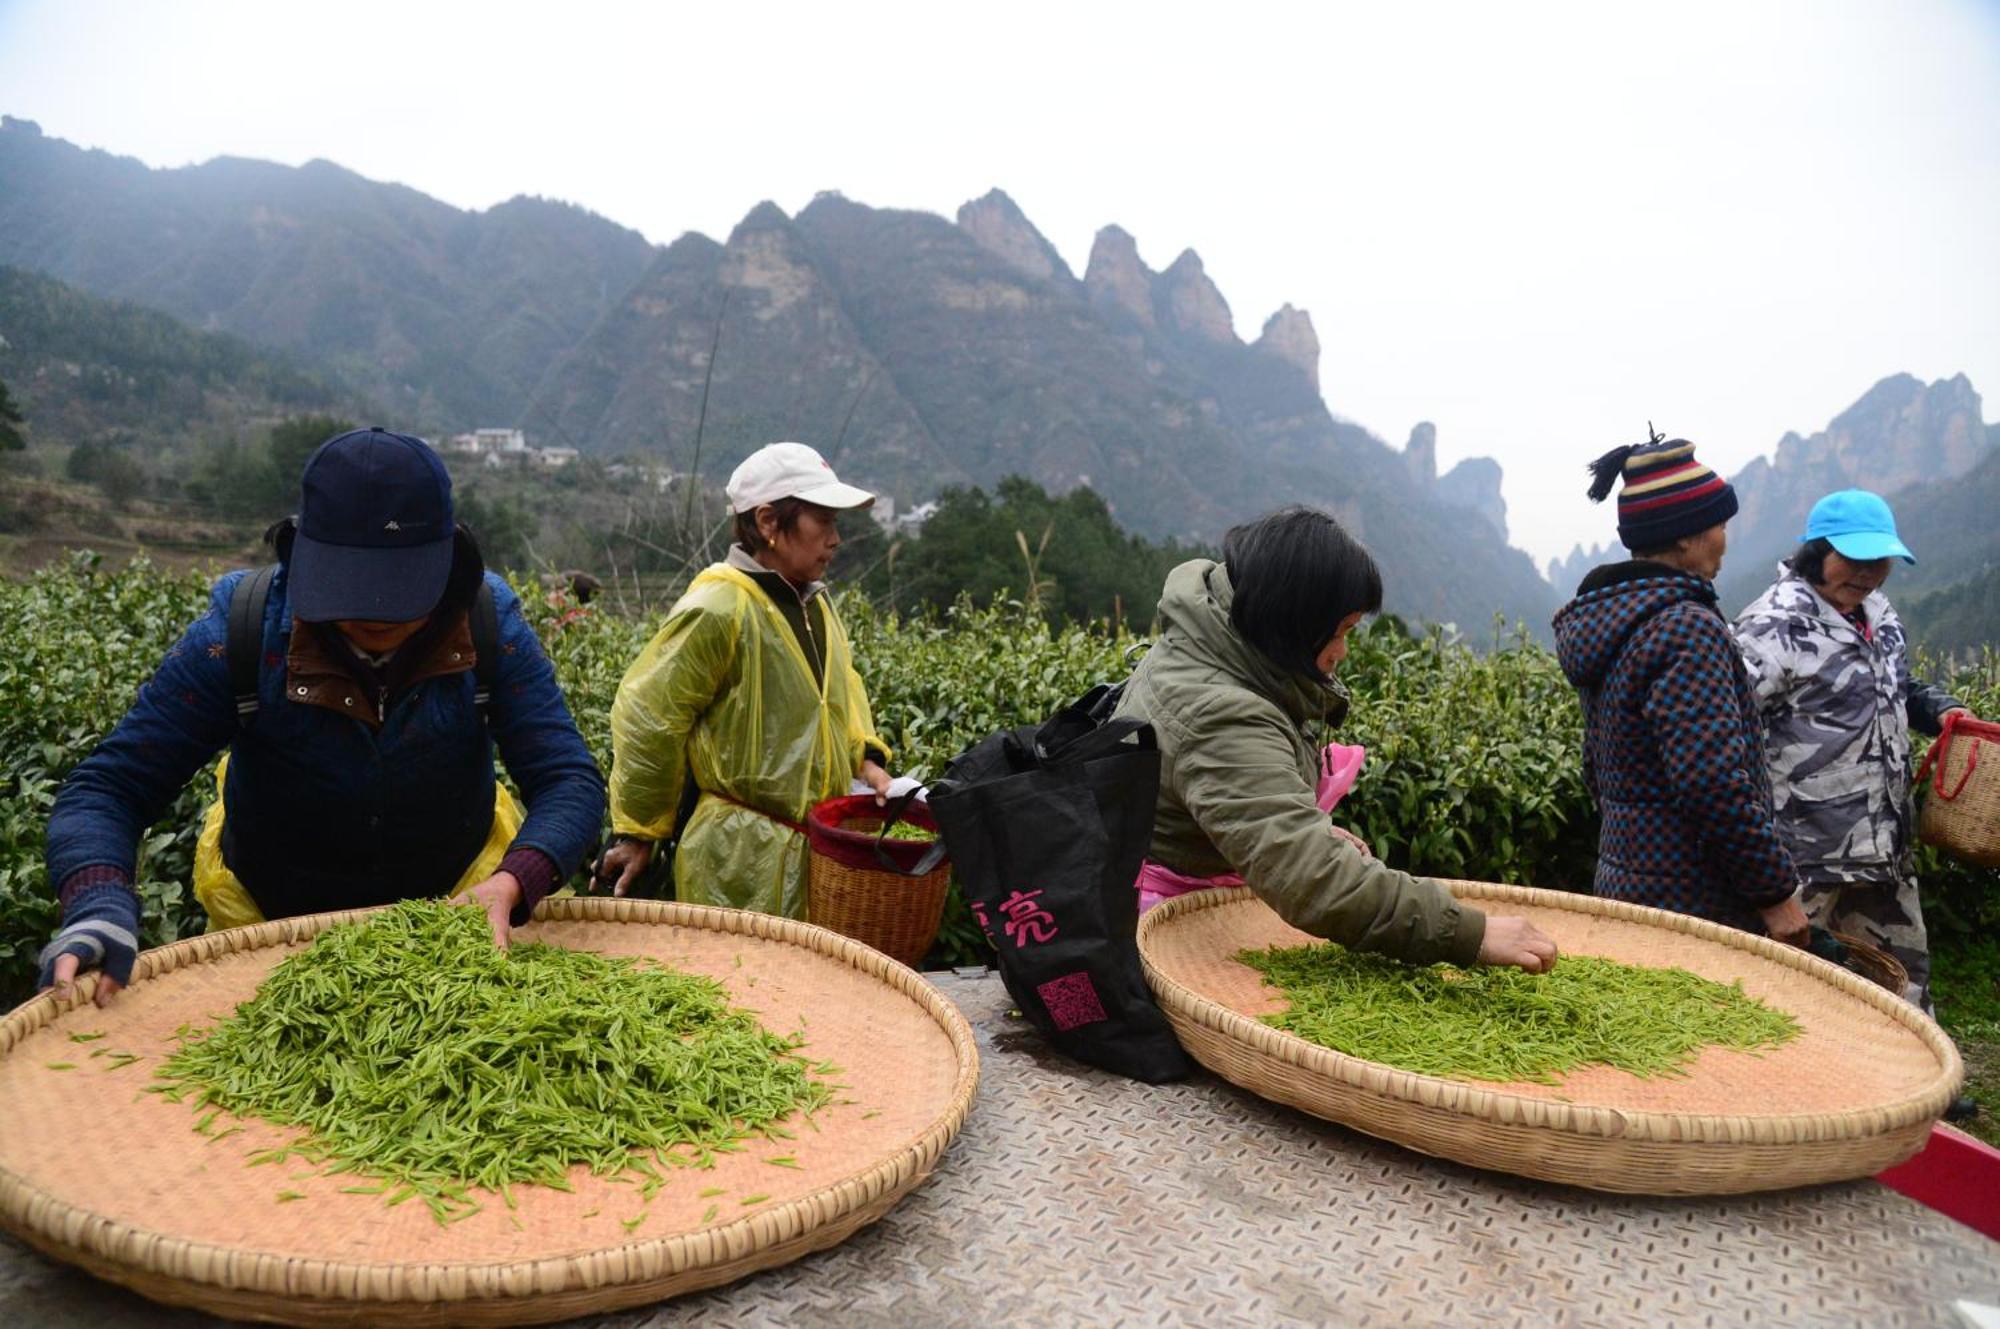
(1856, 1092)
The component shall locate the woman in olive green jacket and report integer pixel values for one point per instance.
(1243, 663)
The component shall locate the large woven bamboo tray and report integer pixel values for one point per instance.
(1856, 1092)
(116, 1181)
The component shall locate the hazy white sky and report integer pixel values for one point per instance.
(1537, 225)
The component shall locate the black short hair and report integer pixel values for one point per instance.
(1809, 559)
(789, 511)
(1296, 575)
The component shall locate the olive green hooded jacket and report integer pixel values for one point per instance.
(1238, 774)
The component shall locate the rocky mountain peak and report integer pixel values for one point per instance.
(900, 336)
(1936, 432)
(1421, 454)
(767, 260)
(1117, 278)
(1474, 484)
(1193, 304)
(1566, 572)
(766, 216)
(1901, 433)
(1288, 334)
(999, 226)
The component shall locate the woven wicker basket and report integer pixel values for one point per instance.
(1873, 963)
(1961, 812)
(851, 893)
(118, 1183)
(1856, 1092)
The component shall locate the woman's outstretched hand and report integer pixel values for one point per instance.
(1786, 921)
(66, 968)
(497, 895)
(1518, 942)
(622, 864)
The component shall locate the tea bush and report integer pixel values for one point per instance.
(1473, 766)
(75, 643)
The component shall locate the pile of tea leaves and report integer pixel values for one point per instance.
(419, 1054)
(1499, 1023)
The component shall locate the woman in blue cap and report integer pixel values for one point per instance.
(1831, 669)
(360, 746)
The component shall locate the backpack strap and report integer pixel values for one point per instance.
(244, 643)
(484, 619)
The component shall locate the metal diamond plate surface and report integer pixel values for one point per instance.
(1073, 1197)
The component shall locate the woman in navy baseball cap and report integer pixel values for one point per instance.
(359, 687)
(375, 531)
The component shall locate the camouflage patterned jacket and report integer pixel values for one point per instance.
(1837, 708)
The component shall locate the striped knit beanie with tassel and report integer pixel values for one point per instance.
(1667, 493)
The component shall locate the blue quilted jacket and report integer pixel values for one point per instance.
(1673, 749)
(325, 811)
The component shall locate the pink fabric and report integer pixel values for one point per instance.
(1340, 766)
(1157, 883)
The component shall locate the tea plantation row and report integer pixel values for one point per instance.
(1473, 766)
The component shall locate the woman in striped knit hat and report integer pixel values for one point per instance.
(1673, 748)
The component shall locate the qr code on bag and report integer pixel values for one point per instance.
(1071, 1000)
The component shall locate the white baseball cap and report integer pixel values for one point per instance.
(789, 470)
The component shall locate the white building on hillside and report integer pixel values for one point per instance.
(506, 442)
(498, 448)
(491, 447)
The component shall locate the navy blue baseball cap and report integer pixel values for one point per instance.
(375, 531)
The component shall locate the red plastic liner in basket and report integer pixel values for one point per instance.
(827, 832)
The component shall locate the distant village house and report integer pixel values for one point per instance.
(497, 448)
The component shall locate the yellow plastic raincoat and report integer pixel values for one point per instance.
(724, 690)
(229, 903)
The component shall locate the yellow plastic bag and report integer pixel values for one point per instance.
(725, 690)
(229, 905)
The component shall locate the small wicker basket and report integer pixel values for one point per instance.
(1873, 963)
(884, 893)
(1961, 813)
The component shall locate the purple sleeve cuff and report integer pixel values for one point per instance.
(536, 872)
(84, 879)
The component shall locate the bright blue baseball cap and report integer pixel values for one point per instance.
(1859, 525)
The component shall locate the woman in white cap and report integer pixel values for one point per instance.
(1831, 670)
(749, 690)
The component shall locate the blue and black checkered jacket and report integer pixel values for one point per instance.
(1673, 748)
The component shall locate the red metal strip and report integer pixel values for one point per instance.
(1956, 1175)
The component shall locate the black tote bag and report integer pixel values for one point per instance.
(1047, 826)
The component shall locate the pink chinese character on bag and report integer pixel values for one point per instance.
(985, 924)
(1027, 920)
